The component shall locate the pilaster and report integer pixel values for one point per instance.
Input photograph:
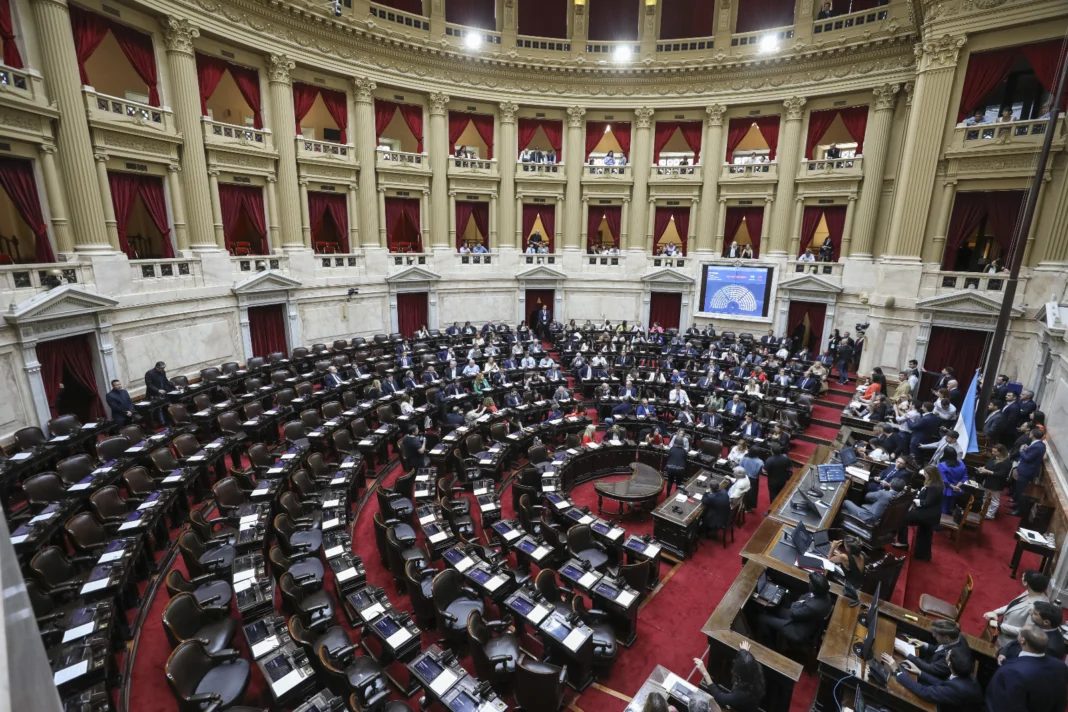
(439, 171)
(104, 186)
(284, 123)
(787, 160)
(372, 231)
(642, 160)
(507, 153)
(57, 200)
(573, 159)
(174, 186)
(876, 145)
(710, 167)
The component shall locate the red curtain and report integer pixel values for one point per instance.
(769, 129)
(137, 46)
(527, 129)
(613, 215)
(481, 216)
(755, 16)
(238, 200)
(12, 58)
(411, 312)
(458, 122)
(612, 20)
(547, 213)
(682, 224)
(985, 71)
(337, 105)
(413, 6)
(732, 221)
(412, 115)
(472, 13)
(621, 130)
(402, 224)
(835, 217)
(1046, 59)
(691, 133)
(855, 119)
(554, 131)
(248, 83)
(963, 349)
(267, 327)
(322, 204)
(89, 30)
(809, 222)
(384, 111)
(660, 224)
(816, 313)
(818, 123)
(463, 216)
(754, 223)
(680, 19)
(125, 187)
(736, 131)
(594, 216)
(664, 309)
(1002, 213)
(545, 18)
(662, 134)
(18, 181)
(738, 128)
(210, 71)
(968, 211)
(303, 99)
(594, 133)
(72, 356)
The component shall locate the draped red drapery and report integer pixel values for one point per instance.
(681, 19)
(243, 200)
(664, 309)
(210, 71)
(20, 184)
(545, 18)
(1001, 210)
(125, 187)
(595, 130)
(402, 225)
(962, 349)
(336, 206)
(810, 220)
(463, 217)
(691, 133)
(335, 101)
(754, 223)
(1002, 214)
(662, 218)
(411, 113)
(682, 224)
(72, 356)
(90, 29)
(968, 212)
(481, 217)
(987, 69)
(855, 119)
(12, 58)
(756, 16)
(554, 131)
(1046, 59)
(458, 121)
(613, 215)
(612, 20)
(472, 13)
(412, 312)
(547, 213)
(738, 128)
(816, 312)
(835, 216)
(267, 328)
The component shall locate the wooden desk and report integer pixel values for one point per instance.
(804, 478)
(724, 640)
(836, 660)
(655, 683)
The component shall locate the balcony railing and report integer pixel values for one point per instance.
(855, 19)
(459, 32)
(608, 172)
(944, 282)
(676, 171)
(404, 260)
(475, 166)
(20, 81)
(1016, 133)
(107, 107)
(555, 170)
(752, 40)
(484, 258)
(547, 259)
(661, 261)
(38, 276)
(400, 159)
(326, 149)
(247, 264)
(244, 136)
(167, 273)
(606, 51)
(752, 171)
(822, 269)
(544, 44)
(391, 17)
(337, 261)
(831, 166)
(599, 261)
(690, 44)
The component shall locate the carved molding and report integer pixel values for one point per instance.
(278, 68)
(508, 111)
(644, 117)
(437, 103)
(178, 34)
(885, 96)
(364, 90)
(715, 114)
(939, 52)
(795, 108)
(574, 117)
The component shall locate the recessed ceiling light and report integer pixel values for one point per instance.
(472, 40)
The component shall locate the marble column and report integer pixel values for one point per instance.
(624, 225)
(573, 161)
(1031, 233)
(353, 206)
(945, 210)
(650, 226)
(584, 224)
(57, 201)
(691, 228)
(452, 218)
(787, 163)
(75, 154)
(274, 232)
(937, 60)
(721, 227)
(185, 101)
(216, 207)
(640, 165)
(847, 229)
(424, 228)
(380, 216)
(507, 152)
(518, 221)
(1054, 252)
(372, 233)
(876, 145)
(174, 186)
(283, 124)
(493, 217)
(106, 203)
(439, 173)
(765, 225)
(795, 226)
(710, 167)
(305, 213)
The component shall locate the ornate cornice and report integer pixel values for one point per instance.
(574, 117)
(715, 114)
(795, 108)
(644, 117)
(278, 68)
(939, 52)
(885, 96)
(437, 103)
(508, 110)
(179, 34)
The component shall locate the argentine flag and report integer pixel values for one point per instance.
(966, 418)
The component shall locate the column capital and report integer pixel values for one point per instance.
(437, 103)
(626, 200)
(101, 157)
(910, 89)
(452, 193)
(382, 189)
(354, 187)
(695, 200)
(270, 179)
(179, 34)
(426, 192)
(886, 96)
(364, 89)
(303, 181)
(174, 167)
(215, 173)
(644, 115)
(794, 106)
(508, 110)
(493, 196)
(574, 117)
(715, 114)
(722, 200)
(62, 3)
(278, 68)
(48, 148)
(939, 52)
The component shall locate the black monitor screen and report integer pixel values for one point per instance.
(463, 703)
(802, 539)
(386, 626)
(429, 669)
(522, 605)
(848, 456)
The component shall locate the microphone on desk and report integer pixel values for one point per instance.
(850, 592)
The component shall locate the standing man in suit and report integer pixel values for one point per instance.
(1028, 466)
(120, 403)
(1047, 617)
(777, 468)
(925, 430)
(541, 322)
(1016, 614)
(717, 504)
(995, 424)
(960, 692)
(1030, 682)
(845, 360)
(1001, 387)
(157, 385)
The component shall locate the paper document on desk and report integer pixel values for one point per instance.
(859, 472)
(443, 682)
(587, 580)
(828, 565)
(575, 639)
(1031, 535)
(264, 646)
(903, 648)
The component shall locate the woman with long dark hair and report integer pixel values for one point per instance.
(747, 682)
(925, 515)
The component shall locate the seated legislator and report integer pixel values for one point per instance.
(1030, 682)
(931, 659)
(849, 554)
(959, 692)
(747, 682)
(875, 502)
(800, 621)
(1047, 617)
(717, 504)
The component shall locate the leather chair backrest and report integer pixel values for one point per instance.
(253, 410)
(229, 422)
(291, 592)
(63, 425)
(180, 381)
(284, 526)
(396, 336)
(74, 468)
(112, 448)
(284, 397)
(331, 410)
(253, 385)
(318, 348)
(107, 502)
(310, 418)
(200, 525)
(446, 588)
(380, 338)
(300, 633)
(186, 445)
(178, 414)
(300, 352)
(138, 481)
(186, 667)
(340, 344)
(86, 532)
(405, 485)
(537, 454)
(51, 566)
(227, 493)
(358, 341)
(359, 428)
(43, 489)
(385, 414)
(579, 538)
(191, 547)
(292, 506)
(321, 366)
(547, 586)
(712, 448)
(382, 494)
(303, 483)
(279, 561)
(255, 363)
(474, 444)
(318, 465)
(380, 538)
(182, 618)
(164, 460)
(176, 583)
(342, 441)
(293, 430)
(260, 456)
(538, 685)
(209, 375)
(572, 440)
(304, 389)
(498, 432)
(40, 601)
(279, 376)
(29, 438)
(202, 401)
(637, 575)
(229, 368)
(132, 433)
(349, 399)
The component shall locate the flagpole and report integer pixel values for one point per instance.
(1016, 250)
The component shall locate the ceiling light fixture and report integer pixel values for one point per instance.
(622, 53)
(769, 43)
(473, 40)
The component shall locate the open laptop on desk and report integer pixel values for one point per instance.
(767, 591)
(817, 542)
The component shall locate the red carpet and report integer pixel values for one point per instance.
(821, 432)
(839, 399)
(826, 414)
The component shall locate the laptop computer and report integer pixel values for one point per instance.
(847, 455)
(818, 542)
(768, 591)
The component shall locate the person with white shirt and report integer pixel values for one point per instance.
(491, 366)
(528, 362)
(738, 452)
(678, 397)
(471, 368)
(945, 410)
(947, 442)
(546, 362)
(741, 484)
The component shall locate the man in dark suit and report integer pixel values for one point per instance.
(332, 380)
(120, 403)
(454, 329)
(875, 503)
(925, 430)
(956, 395)
(750, 428)
(156, 382)
(1030, 682)
(455, 417)
(809, 384)
(931, 659)
(717, 504)
(454, 389)
(960, 692)
(712, 420)
(896, 471)
(1029, 465)
(995, 424)
(802, 619)
(777, 468)
(736, 407)
(512, 400)
(541, 322)
(1001, 387)
(1048, 618)
(389, 386)
(430, 375)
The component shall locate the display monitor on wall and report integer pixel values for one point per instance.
(736, 292)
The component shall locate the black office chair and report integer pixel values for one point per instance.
(358, 676)
(201, 680)
(185, 619)
(453, 603)
(209, 591)
(605, 648)
(419, 581)
(393, 505)
(334, 640)
(494, 649)
(307, 571)
(316, 610)
(297, 542)
(549, 589)
(399, 555)
(583, 546)
(539, 686)
(200, 560)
